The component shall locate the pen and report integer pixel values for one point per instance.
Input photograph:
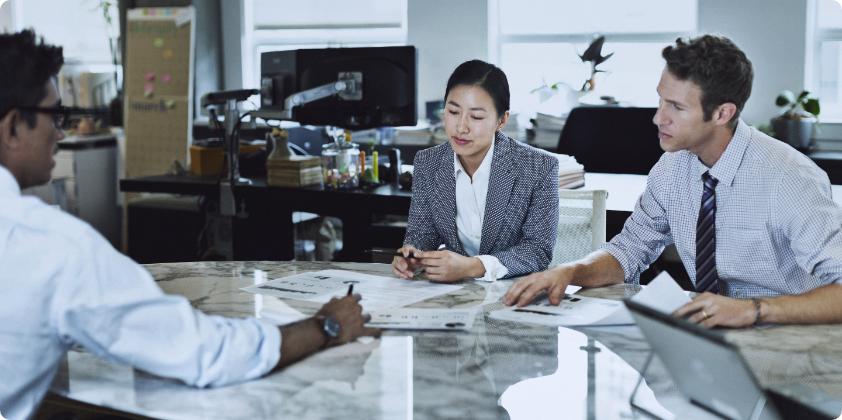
(380, 252)
(350, 289)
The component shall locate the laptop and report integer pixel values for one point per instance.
(712, 374)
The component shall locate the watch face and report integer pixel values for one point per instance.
(330, 327)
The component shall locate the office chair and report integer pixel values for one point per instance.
(581, 224)
(612, 139)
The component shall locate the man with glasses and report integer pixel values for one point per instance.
(63, 285)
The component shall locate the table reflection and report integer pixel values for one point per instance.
(499, 370)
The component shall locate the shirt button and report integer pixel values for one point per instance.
(738, 293)
(475, 211)
(717, 271)
(476, 236)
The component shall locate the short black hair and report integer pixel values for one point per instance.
(26, 65)
(717, 66)
(487, 76)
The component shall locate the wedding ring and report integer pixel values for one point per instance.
(705, 314)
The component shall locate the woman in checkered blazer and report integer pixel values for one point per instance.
(484, 205)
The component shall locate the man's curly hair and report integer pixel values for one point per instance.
(717, 66)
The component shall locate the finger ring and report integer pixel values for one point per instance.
(705, 314)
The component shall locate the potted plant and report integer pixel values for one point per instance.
(795, 125)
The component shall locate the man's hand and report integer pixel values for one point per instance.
(710, 310)
(405, 267)
(450, 266)
(306, 337)
(348, 313)
(554, 281)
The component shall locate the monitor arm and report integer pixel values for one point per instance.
(349, 86)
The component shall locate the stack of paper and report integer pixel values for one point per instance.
(571, 174)
(294, 171)
(547, 130)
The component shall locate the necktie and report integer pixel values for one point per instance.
(706, 239)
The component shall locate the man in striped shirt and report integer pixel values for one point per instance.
(751, 217)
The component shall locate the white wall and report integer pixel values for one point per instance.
(773, 36)
(446, 34)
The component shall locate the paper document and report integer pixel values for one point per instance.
(662, 294)
(572, 311)
(377, 292)
(423, 319)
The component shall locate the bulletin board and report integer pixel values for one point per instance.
(158, 88)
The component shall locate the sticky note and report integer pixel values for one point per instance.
(158, 42)
(165, 78)
(170, 103)
(149, 87)
(167, 54)
(153, 12)
(145, 12)
(147, 94)
(150, 76)
(167, 12)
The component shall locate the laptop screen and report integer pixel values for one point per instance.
(707, 369)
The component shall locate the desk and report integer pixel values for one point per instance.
(534, 372)
(267, 232)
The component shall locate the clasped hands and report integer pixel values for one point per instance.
(707, 309)
(446, 266)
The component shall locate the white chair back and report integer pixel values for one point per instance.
(581, 224)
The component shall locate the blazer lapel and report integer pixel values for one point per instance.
(501, 180)
(445, 188)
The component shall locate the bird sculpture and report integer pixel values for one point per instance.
(594, 55)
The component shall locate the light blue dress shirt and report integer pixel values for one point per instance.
(62, 284)
(777, 228)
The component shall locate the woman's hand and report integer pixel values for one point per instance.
(405, 267)
(450, 266)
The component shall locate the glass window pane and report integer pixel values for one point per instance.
(829, 93)
(296, 14)
(829, 14)
(597, 16)
(630, 75)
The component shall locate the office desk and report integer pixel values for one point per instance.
(532, 371)
(267, 232)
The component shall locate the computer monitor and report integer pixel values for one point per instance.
(389, 85)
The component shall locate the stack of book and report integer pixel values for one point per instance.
(294, 171)
(547, 130)
(571, 174)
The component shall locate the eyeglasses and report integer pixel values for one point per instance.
(60, 114)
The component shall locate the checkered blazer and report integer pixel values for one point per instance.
(521, 208)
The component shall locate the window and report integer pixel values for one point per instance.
(538, 42)
(827, 62)
(277, 25)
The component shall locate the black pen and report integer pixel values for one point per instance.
(351, 289)
(390, 253)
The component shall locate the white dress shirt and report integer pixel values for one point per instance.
(63, 284)
(470, 208)
(777, 227)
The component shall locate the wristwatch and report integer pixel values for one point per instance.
(330, 328)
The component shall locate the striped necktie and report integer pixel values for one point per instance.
(706, 239)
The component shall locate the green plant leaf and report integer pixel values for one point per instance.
(785, 98)
(811, 105)
(803, 96)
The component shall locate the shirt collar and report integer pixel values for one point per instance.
(8, 183)
(725, 169)
(484, 167)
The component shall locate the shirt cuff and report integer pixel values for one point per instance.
(270, 352)
(494, 269)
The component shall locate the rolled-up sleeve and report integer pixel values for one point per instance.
(644, 235)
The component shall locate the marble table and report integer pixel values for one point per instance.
(498, 370)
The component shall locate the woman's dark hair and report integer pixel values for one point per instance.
(717, 66)
(26, 65)
(487, 76)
